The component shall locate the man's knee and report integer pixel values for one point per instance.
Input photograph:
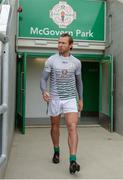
(72, 127)
(55, 124)
(55, 129)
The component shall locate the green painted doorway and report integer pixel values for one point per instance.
(90, 76)
(97, 75)
(21, 93)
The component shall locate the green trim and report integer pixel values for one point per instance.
(100, 89)
(24, 94)
(111, 94)
(31, 54)
(17, 93)
(18, 86)
(94, 57)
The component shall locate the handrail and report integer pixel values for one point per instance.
(2, 158)
(4, 45)
(3, 108)
(3, 38)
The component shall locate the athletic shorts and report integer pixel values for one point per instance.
(58, 106)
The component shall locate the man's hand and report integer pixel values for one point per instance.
(80, 105)
(46, 96)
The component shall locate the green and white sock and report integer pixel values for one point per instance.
(72, 157)
(56, 149)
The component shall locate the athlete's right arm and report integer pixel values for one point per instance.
(43, 85)
(43, 81)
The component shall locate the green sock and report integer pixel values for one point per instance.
(72, 157)
(56, 149)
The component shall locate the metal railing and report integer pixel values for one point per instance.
(4, 58)
(4, 106)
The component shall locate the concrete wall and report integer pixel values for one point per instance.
(12, 83)
(115, 8)
(12, 74)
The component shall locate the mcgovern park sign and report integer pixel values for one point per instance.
(82, 19)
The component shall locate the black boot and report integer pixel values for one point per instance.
(56, 158)
(74, 167)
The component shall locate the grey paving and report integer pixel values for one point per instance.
(100, 154)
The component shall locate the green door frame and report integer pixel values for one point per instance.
(21, 93)
(107, 120)
(85, 57)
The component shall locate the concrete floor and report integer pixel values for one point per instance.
(100, 154)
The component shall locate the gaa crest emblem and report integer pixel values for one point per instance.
(62, 14)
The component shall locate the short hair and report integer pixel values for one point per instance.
(69, 36)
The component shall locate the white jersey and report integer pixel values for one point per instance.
(62, 75)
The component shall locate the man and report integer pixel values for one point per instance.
(65, 78)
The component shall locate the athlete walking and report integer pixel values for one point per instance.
(65, 83)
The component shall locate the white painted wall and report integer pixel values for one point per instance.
(35, 106)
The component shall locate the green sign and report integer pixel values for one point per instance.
(82, 19)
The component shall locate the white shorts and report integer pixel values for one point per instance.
(58, 106)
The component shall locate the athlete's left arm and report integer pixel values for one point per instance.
(79, 87)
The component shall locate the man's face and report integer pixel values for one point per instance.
(63, 45)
